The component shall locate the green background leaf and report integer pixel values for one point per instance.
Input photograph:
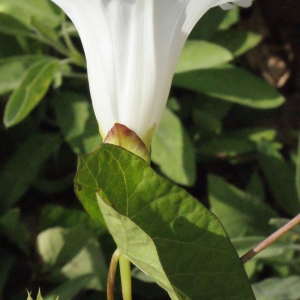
(278, 288)
(240, 213)
(21, 170)
(232, 84)
(24, 10)
(13, 69)
(72, 253)
(77, 121)
(32, 89)
(202, 55)
(236, 41)
(173, 151)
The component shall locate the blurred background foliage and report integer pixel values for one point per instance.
(228, 135)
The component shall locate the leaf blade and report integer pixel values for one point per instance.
(32, 89)
(135, 199)
(232, 84)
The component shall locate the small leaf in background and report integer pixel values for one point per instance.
(163, 230)
(11, 26)
(202, 55)
(24, 10)
(233, 84)
(279, 222)
(236, 41)
(255, 187)
(231, 18)
(32, 89)
(208, 24)
(14, 230)
(280, 176)
(225, 147)
(240, 213)
(278, 253)
(46, 31)
(173, 151)
(55, 215)
(256, 134)
(77, 121)
(72, 253)
(278, 288)
(207, 123)
(278, 249)
(213, 106)
(13, 69)
(22, 168)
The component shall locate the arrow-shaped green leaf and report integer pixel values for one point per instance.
(161, 228)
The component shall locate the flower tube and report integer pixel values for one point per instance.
(132, 48)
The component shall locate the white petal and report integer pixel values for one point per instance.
(244, 3)
(132, 48)
(226, 6)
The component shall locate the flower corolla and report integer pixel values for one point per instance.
(132, 48)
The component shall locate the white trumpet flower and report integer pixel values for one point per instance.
(132, 48)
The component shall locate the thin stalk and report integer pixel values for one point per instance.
(75, 56)
(67, 38)
(112, 274)
(125, 278)
(271, 239)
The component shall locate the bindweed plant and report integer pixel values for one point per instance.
(155, 181)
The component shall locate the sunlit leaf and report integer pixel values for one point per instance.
(236, 41)
(233, 84)
(173, 151)
(32, 89)
(13, 69)
(55, 215)
(77, 121)
(162, 229)
(201, 55)
(72, 253)
(24, 10)
(278, 288)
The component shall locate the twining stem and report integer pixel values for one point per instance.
(125, 277)
(271, 239)
(112, 274)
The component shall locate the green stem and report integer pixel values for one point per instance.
(125, 277)
(112, 274)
